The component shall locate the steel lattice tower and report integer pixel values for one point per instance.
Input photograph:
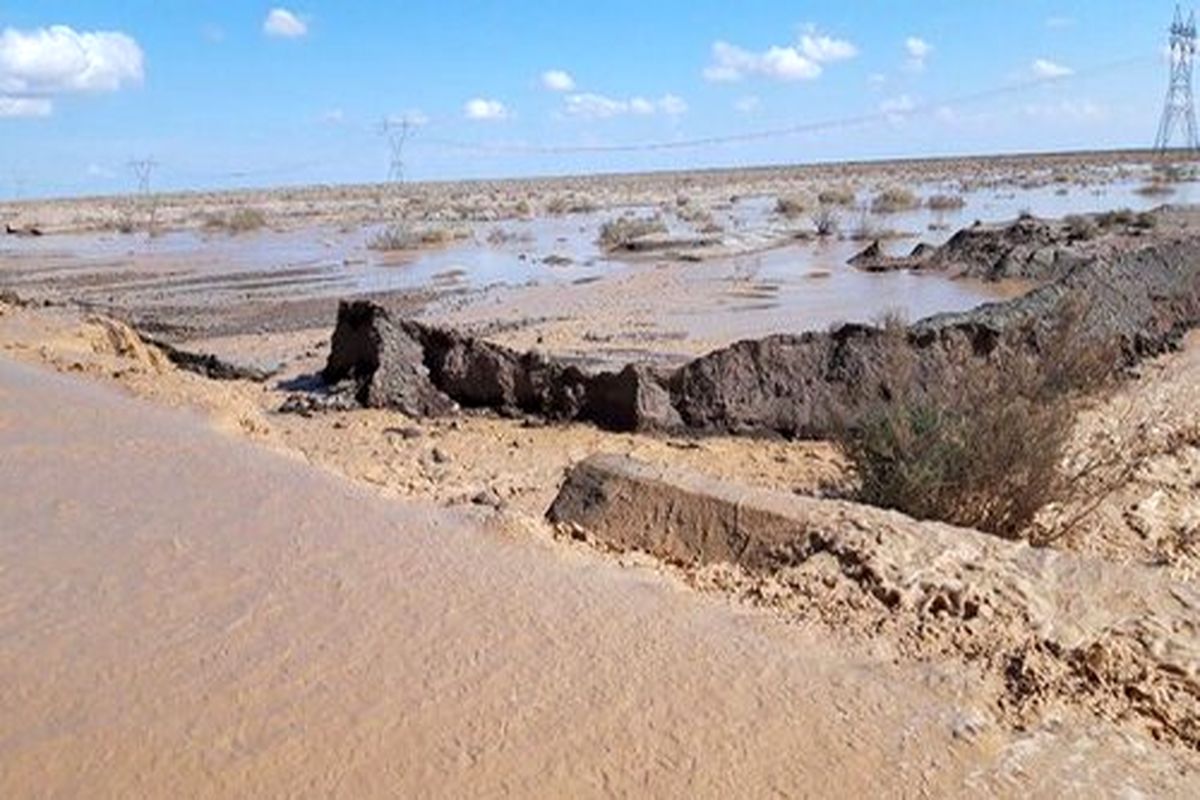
(1179, 113)
(396, 132)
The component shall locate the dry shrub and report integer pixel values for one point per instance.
(893, 199)
(404, 237)
(570, 204)
(836, 196)
(791, 205)
(984, 449)
(1155, 187)
(946, 202)
(695, 215)
(1127, 218)
(1081, 228)
(619, 233)
(240, 220)
(826, 221)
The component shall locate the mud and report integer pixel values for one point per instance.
(426, 371)
(1140, 302)
(1058, 627)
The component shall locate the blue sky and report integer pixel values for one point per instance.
(246, 93)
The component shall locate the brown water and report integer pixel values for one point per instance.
(796, 287)
(251, 627)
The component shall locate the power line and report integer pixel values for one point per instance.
(783, 132)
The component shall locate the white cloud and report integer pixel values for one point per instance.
(672, 106)
(283, 24)
(642, 106)
(918, 50)
(37, 65)
(14, 107)
(732, 63)
(748, 104)
(1043, 68)
(58, 60)
(97, 171)
(825, 49)
(597, 106)
(1059, 22)
(798, 62)
(334, 116)
(480, 108)
(557, 80)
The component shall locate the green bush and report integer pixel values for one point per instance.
(983, 450)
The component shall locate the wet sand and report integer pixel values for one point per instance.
(182, 614)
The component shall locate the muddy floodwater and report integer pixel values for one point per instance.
(771, 275)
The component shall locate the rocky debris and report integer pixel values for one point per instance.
(1057, 626)
(873, 259)
(804, 385)
(306, 404)
(1028, 248)
(798, 385)
(426, 371)
(209, 365)
(488, 498)
(383, 366)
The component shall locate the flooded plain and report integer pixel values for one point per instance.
(547, 281)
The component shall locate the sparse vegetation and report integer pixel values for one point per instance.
(1156, 187)
(894, 199)
(404, 237)
(945, 202)
(985, 450)
(836, 196)
(1081, 228)
(826, 221)
(696, 215)
(619, 233)
(865, 230)
(241, 220)
(791, 205)
(1127, 218)
(570, 204)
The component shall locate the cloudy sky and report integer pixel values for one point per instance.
(236, 92)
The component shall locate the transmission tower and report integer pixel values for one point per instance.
(1179, 113)
(143, 171)
(396, 131)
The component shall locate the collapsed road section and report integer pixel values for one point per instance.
(1137, 301)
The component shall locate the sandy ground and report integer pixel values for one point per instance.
(506, 199)
(246, 626)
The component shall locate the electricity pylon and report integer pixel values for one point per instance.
(396, 131)
(1179, 112)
